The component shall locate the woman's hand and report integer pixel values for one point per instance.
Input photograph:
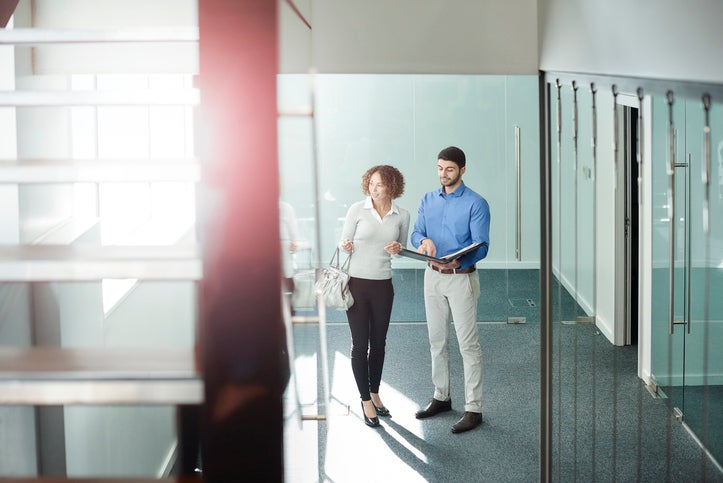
(347, 246)
(393, 247)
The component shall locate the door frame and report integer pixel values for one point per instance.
(645, 253)
(627, 236)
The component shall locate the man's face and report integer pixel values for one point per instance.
(449, 173)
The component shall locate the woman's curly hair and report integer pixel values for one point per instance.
(392, 178)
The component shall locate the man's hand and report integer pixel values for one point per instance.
(427, 247)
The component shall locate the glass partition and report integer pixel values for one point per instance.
(635, 239)
(332, 128)
(688, 318)
(576, 339)
(405, 120)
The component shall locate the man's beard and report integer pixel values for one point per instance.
(452, 181)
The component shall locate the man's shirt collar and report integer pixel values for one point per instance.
(458, 192)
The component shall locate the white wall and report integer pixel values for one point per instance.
(664, 39)
(615, 37)
(605, 268)
(412, 36)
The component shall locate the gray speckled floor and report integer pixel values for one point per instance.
(607, 427)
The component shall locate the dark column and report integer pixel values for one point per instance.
(241, 329)
(545, 285)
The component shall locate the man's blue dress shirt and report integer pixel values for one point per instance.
(454, 221)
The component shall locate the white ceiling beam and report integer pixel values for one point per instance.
(35, 36)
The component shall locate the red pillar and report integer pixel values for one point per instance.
(7, 8)
(241, 329)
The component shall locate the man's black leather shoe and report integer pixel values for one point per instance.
(434, 407)
(467, 422)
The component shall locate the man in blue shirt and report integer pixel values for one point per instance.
(448, 220)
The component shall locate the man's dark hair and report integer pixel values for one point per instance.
(453, 154)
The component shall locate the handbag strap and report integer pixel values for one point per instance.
(334, 262)
(345, 266)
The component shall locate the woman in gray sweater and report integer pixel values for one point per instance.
(374, 229)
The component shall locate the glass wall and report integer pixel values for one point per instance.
(636, 238)
(573, 177)
(612, 275)
(576, 339)
(359, 121)
(405, 120)
(687, 240)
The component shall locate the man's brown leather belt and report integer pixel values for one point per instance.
(453, 270)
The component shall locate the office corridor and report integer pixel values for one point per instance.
(607, 425)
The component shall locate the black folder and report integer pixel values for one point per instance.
(445, 259)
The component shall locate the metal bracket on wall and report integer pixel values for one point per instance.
(304, 319)
(678, 414)
(516, 320)
(653, 390)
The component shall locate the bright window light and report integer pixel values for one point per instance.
(135, 213)
(343, 453)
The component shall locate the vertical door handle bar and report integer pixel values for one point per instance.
(615, 136)
(671, 211)
(518, 165)
(688, 242)
(706, 203)
(575, 181)
(559, 123)
(593, 92)
(706, 165)
(640, 146)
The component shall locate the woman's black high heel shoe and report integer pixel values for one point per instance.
(382, 411)
(371, 422)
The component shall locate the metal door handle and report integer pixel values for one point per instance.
(671, 212)
(518, 164)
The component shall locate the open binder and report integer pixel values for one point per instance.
(445, 259)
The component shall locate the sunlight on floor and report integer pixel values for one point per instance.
(306, 382)
(353, 451)
(301, 437)
(347, 448)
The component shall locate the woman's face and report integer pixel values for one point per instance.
(377, 189)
